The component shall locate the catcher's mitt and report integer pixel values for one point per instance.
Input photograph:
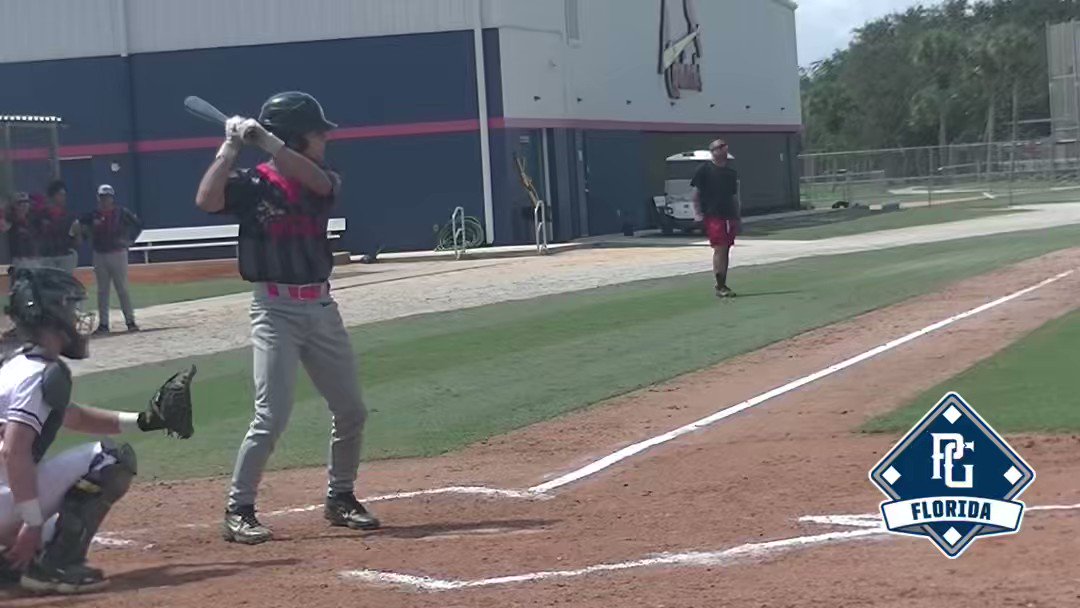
(170, 407)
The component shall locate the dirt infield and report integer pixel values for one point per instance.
(721, 505)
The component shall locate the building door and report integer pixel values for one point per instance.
(582, 185)
(531, 148)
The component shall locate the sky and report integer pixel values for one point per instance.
(825, 25)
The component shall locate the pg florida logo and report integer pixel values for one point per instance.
(952, 479)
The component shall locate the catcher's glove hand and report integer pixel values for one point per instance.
(170, 407)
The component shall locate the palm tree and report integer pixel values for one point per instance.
(941, 55)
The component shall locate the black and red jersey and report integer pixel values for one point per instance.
(282, 227)
(112, 230)
(23, 241)
(53, 225)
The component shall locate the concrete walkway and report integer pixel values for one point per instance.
(388, 291)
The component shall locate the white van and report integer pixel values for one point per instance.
(676, 207)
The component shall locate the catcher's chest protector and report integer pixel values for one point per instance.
(56, 388)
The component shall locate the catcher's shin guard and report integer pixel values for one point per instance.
(83, 509)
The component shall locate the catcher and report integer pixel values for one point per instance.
(50, 508)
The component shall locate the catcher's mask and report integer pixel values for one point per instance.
(47, 298)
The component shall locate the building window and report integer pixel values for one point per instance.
(573, 21)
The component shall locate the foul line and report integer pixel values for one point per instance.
(869, 526)
(638, 448)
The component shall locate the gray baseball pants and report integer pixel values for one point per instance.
(112, 269)
(286, 332)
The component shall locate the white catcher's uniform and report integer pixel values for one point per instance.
(22, 401)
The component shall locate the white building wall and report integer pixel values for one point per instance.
(31, 30)
(748, 45)
(166, 25)
(749, 60)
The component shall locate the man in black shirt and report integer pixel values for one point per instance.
(112, 230)
(284, 207)
(716, 200)
(58, 229)
(23, 238)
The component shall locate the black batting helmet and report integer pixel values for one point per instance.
(293, 114)
(48, 298)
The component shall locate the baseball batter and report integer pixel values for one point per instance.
(50, 508)
(283, 207)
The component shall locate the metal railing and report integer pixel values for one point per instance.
(457, 224)
(540, 227)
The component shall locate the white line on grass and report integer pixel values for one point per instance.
(870, 526)
(637, 448)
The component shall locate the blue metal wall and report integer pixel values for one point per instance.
(396, 187)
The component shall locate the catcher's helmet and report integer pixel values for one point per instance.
(47, 298)
(293, 114)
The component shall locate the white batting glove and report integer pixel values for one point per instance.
(257, 135)
(233, 138)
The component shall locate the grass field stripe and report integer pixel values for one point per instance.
(640, 447)
(720, 558)
(714, 558)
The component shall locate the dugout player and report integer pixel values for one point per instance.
(716, 200)
(112, 230)
(50, 508)
(58, 229)
(283, 207)
(23, 240)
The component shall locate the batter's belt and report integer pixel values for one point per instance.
(302, 293)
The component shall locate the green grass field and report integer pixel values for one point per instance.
(847, 222)
(438, 382)
(152, 294)
(1030, 387)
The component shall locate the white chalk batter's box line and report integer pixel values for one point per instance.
(545, 490)
(866, 527)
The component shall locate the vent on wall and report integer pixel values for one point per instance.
(573, 21)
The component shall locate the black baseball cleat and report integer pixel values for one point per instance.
(133, 328)
(102, 330)
(241, 526)
(70, 580)
(344, 511)
(724, 292)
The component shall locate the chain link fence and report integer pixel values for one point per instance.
(1013, 172)
(29, 153)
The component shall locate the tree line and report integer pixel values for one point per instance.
(957, 72)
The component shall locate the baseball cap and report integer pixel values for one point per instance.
(106, 189)
(22, 197)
